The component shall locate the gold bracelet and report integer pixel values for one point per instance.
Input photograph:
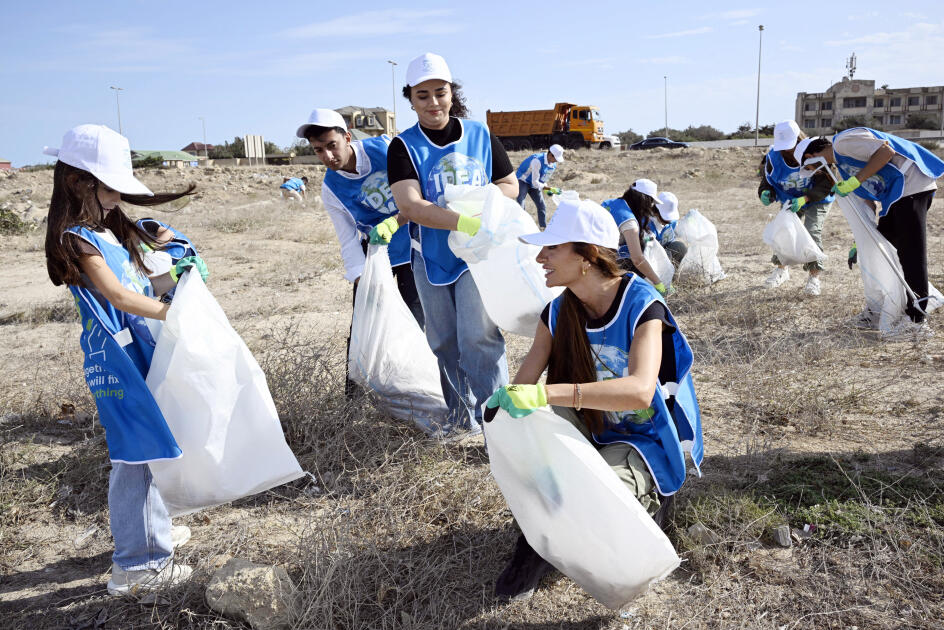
(579, 396)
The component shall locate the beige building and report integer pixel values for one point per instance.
(374, 121)
(890, 109)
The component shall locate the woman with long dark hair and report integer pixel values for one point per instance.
(103, 256)
(618, 369)
(632, 213)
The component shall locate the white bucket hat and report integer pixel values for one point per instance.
(647, 187)
(577, 221)
(557, 151)
(785, 135)
(668, 208)
(322, 118)
(102, 152)
(425, 67)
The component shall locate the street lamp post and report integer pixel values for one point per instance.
(665, 81)
(393, 91)
(206, 151)
(118, 91)
(760, 42)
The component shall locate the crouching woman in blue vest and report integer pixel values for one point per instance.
(618, 368)
(100, 254)
(901, 176)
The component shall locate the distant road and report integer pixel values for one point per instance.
(743, 142)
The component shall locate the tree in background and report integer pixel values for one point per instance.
(300, 147)
(920, 120)
(857, 121)
(628, 137)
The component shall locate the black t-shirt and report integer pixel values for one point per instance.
(656, 310)
(400, 166)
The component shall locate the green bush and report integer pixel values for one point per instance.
(922, 121)
(10, 223)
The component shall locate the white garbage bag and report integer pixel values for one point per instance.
(389, 353)
(509, 279)
(574, 510)
(790, 241)
(659, 260)
(216, 402)
(701, 237)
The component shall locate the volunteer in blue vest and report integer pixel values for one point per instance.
(784, 180)
(445, 147)
(96, 250)
(632, 213)
(618, 368)
(533, 174)
(902, 177)
(663, 227)
(294, 188)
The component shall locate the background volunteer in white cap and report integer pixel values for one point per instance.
(663, 227)
(357, 196)
(443, 148)
(97, 251)
(784, 180)
(533, 174)
(609, 344)
(632, 212)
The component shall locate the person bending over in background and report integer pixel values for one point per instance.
(533, 174)
(293, 188)
(638, 204)
(663, 227)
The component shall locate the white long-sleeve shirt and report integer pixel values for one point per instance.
(860, 145)
(534, 175)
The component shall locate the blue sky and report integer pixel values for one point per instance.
(251, 67)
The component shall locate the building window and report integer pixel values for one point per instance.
(810, 123)
(857, 101)
(894, 120)
(914, 101)
(809, 107)
(930, 99)
(825, 122)
(879, 102)
(896, 102)
(828, 105)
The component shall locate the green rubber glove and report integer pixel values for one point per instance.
(796, 204)
(383, 231)
(846, 186)
(518, 400)
(661, 289)
(550, 190)
(853, 256)
(765, 198)
(186, 263)
(468, 225)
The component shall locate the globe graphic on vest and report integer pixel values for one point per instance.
(375, 193)
(453, 168)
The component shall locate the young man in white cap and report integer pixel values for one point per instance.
(357, 196)
(533, 174)
(632, 213)
(784, 180)
(663, 227)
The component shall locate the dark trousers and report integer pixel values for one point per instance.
(525, 190)
(906, 227)
(676, 251)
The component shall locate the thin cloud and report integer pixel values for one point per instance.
(385, 22)
(739, 14)
(694, 31)
(871, 38)
(660, 61)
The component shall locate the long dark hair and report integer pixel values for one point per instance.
(816, 146)
(571, 359)
(643, 207)
(458, 107)
(74, 202)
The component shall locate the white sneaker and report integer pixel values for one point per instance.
(777, 277)
(179, 535)
(138, 582)
(449, 434)
(908, 330)
(866, 320)
(813, 286)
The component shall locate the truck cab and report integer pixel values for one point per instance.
(588, 122)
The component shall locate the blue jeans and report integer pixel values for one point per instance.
(524, 190)
(469, 347)
(139, 520)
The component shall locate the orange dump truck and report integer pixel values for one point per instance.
(571, 126)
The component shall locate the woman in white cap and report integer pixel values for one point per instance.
(663, 227)
(102, 256)
(632, 212)
(618, 368)
(444, 148)
(533, 174)
(785, 181)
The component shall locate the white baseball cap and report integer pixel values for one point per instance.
(322, 118)
(647, 187)
(104, 153)
(577, 221)
(557, 151)
(425, 67)
(668, 208)
(785, 135)
(801, 149)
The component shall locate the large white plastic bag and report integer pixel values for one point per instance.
(701, 237)
(790, 241)
(574, 510)
(216, 402)
(659, 261)
(509, 279)
(389, 353)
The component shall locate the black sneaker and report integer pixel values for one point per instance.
(523, 573)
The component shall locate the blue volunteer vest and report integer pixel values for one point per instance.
(621, 212)
(369, 200)
(788, 181)
(468, 160)
(545, 171)
(663, 439)
(294, 184)
(665, 234)
(888, 184)
(118, 349)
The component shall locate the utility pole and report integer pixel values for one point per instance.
(393, 91)
(665, 83)
(118, 91)
(206, 151)
(760, 43)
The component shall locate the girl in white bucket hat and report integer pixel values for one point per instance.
(618, 369)
(107, 261)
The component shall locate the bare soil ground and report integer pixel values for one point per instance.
(806, 421)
